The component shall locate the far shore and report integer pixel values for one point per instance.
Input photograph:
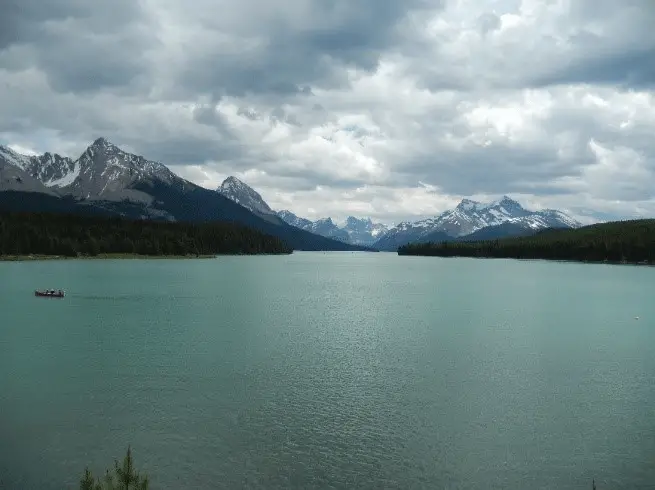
(25, 258)
(524, 259)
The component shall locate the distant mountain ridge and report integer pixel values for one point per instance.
(107, 180)
(469, 219)
(502, 218)
(356, 231)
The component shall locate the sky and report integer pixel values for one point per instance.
(381, 108)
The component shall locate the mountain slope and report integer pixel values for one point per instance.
(493, 232)
(105, 179)
(469, 217)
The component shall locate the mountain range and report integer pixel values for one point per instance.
(105, 180)
(470, 220)
(356, 231)
(361, 231)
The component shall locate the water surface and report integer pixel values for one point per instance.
(329, 370)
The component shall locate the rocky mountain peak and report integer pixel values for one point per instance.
(101, 142)
(507, 202)
(352, 222)
(243, 194)
(468, 205)
(106, 171)
(233, 181)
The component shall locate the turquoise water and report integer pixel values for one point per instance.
(337, 370)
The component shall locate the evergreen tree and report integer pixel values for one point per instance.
(125, 477)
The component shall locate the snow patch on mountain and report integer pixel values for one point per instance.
(13, 158)
(67, 178)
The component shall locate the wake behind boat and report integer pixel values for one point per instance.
(50, 293)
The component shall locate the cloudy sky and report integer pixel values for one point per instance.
(383, 108)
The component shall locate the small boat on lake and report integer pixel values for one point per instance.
(50, 293)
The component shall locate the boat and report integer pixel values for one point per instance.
(50, 293)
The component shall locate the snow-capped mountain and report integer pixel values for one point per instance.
(51, 169)
(363, 230)
(104, 171)
(359, 231)
(470, 216)
(245, 195)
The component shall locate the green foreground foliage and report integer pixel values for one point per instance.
(125, 477)
(73, 235)
(616, 242)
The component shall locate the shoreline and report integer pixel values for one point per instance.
(38, 257)
(524, 259)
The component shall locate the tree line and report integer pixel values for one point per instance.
(73, 235)
(631, 241)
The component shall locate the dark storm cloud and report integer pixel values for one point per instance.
(186, 150)
(27, 21)
(292, 58)
(80, 45)
(632, 69)
(621, 53)
(495, 169)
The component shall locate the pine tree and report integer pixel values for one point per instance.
(127, 478)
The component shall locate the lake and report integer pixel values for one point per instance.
(329, 370)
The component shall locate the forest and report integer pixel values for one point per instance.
(631, 241)
(73, 235)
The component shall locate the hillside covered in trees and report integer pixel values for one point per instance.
(620, 242)
(74, 235)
